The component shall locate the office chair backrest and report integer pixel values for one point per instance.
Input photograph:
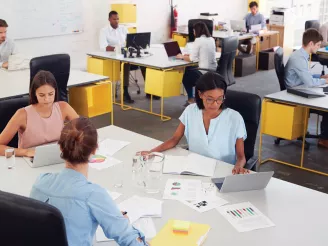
(312, 24)
(58, 65)
(192, 22)
(228, 53)
(8, 108)
(25, 221)
(279, 67)
(249, 106)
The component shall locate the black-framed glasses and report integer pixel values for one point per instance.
(211, 100)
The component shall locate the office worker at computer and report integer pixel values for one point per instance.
(297, 72)
(252, 18)
(203, 50)
(7, 46)
(42, 121)
(211, 129)
(84, 205)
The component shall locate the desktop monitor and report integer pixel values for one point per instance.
(138, 40)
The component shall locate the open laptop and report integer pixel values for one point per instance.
(238, 25)
(243, 182)
(18, 62)
(45, 155)
(172, 49)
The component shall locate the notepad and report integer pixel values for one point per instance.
(192, 164)
(196, 236)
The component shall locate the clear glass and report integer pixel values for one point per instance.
(137, 170)
(152, 170)
(118, 180)
(10, 158)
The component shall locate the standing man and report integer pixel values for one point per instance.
(252, 18)
(7, 46)
(297, 73)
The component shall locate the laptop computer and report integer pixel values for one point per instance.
(238, 25)
(45, 155)
(305, 93)
(172, 49)
(243, 182)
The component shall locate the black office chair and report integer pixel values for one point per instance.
(58, 65)
(228, 53)
(25, 221)
(312, 24)
(8, 108)
(192, 22)
(249, 106)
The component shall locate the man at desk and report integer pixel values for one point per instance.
(297, 73)
(7, 46)
(252, 18)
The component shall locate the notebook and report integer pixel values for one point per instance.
(196, 236)
(304, 93)
(192, 164)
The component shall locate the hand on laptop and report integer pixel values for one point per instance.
(179, 56)
(324, 76)
(239, 170)
(29, 153)
(5, 65)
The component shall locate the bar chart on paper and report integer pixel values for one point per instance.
(245, 217)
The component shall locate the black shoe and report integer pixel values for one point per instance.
(154, 97)
(128, 99)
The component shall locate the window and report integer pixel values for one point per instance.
(323, 11)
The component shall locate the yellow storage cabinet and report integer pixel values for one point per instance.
(91, 100)
(163, 83)
(282, 120)
(132, 29)
(182, 40)
(104, 67)
(127, 12)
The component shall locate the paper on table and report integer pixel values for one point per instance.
(182, 189)
(204, 205)
(110, 146)
(114, 195)
(245, 217)
(101, 161)
(145, 225)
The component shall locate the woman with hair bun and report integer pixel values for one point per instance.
(84, 205)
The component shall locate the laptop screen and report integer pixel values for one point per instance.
(172, 48)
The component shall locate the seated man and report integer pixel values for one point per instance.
(252, 18)
(7, 46)
(297, 72)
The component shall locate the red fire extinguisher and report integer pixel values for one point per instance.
(174, 18)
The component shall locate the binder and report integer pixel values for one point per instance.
(304, 93)
(196, 236)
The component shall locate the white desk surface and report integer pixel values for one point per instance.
(322, 51)
(158, 58)
(320, 103)
(17, 83)
(298, 212)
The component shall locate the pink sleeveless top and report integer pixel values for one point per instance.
(40, 130)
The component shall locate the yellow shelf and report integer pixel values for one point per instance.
(127, 12)
(182, 40)
(108, 68)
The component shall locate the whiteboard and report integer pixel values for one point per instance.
(41, 18)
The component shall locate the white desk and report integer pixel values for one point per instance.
(299, 213)
(17, 83)
(284, 98)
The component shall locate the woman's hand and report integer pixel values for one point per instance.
(29, 153)
(179, 56)
(239, 170)
(143, 153)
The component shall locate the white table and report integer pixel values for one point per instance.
(298, 212)
(282, 97)
(17, 83)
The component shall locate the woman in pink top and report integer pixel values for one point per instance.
(42, 121)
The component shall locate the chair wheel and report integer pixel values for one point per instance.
(277, 141)
(307, 146)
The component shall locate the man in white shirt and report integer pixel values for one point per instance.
(7, 46)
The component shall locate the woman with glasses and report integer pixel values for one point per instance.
(211, 129)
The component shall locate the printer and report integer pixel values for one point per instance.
(280, 16)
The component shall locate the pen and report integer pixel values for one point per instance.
(124, 213)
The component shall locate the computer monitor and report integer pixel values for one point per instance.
(238, 25)
(138, 40)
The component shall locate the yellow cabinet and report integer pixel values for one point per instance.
(182, 40)
(163, 83)
(104, 67)
(127, 12)
(282, 120)
(91, 100)
(132, 29)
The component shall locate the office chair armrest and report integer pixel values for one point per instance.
(251, 164)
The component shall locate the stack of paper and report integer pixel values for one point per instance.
(207, 200)
(110, 146)
(245, 217)
(145, 225)
(192, 164)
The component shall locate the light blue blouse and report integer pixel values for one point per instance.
(84, 206)
(223, 132)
